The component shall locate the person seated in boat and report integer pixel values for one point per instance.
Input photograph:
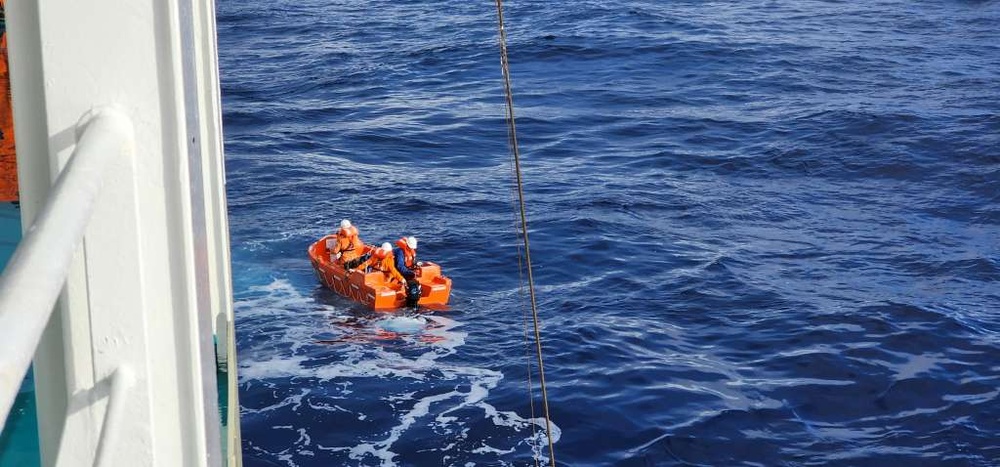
(381, 260)
(349, 249)
(405, 256)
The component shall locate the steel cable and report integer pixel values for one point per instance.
(512, 141)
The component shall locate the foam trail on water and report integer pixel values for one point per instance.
(304, 359)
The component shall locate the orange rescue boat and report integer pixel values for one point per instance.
(372, 289)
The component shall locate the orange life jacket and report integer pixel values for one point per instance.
(349, 244)
(385, 263)
(409, 255)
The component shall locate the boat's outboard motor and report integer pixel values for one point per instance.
(412, 293)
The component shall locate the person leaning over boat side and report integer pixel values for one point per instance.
(405, 255)
(349, 249)
(381, 260)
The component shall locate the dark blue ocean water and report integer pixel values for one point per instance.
(764, 233)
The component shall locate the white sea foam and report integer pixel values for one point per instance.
(271, 368)
(491, 450)
(285, 328)
(294, 402)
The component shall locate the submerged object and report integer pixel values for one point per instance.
(373, 288)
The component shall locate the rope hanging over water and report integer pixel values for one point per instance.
(512, 142)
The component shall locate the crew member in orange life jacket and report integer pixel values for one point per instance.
(405, 255)
(349, 247)
(381, 260)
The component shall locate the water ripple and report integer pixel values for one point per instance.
(763, 233)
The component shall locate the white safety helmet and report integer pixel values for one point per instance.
(345, 224)
(411, 242)
(386, 247)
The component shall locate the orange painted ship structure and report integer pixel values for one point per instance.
(372, 288)
(8, 159)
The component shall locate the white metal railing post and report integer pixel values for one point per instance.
(153, 265)
(37, 271)
(121, 380)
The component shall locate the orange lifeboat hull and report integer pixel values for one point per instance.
(372, 289)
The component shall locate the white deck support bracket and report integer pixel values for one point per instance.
(152, 276)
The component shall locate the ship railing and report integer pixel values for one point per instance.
(36, 273)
